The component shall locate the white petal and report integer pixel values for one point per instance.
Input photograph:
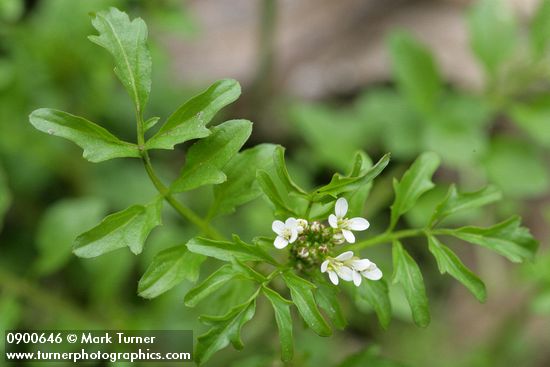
(345, 273)
(356, 279)
(293, 234)
(345, 256)
(280, 242)
(372, 273)
(324, 266)
(361, 264)
(341, 207)
(278, 226)
(333, 221)
(291, 222)
(348, 235)
(333, 277)
(358, 224)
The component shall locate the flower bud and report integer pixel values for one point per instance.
(316, 226)
(302, 225)
(338, 238)
(303, 252)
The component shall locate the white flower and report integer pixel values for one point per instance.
(287, 232)
(336, 268)
(350, 268)
(338, 221)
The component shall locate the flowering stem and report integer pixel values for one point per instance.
(385, 237)
(183, 210)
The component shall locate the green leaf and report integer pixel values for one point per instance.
(127, 41)
(225, 329)
(415, 71)
(282, 172)
(376, 294)
(334, 135)
(415, 182)
(5, 197)
(207, 157)
(98, 144)
(510, 161)
(211, 284)
(507, 238)
(248, 272)
(327, 298)
(448, 262)
(127, 228)
(407, 272)
(60, 225)
(283, 318)
(190, 120)
(169, 268)
(301, 292)
(534, 118)
(458, 130)
(150, 123)
(397, 125)
(241, 185)
(360, 175)
(269, 188)
(540, 29)
(227, 251)
(456, 202)
(493, 33)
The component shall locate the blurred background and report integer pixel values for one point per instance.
(469, 80)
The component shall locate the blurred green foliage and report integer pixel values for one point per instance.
(499, 135)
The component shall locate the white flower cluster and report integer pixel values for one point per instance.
(316, 239)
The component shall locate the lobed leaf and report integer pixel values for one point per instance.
(281, 308)
(227, 251)
(169, 268)
(225, 329)
(98, 143)
(407, 272)
(415, 182)
(327, 298)
(376, 294)
(127, 41)
(301, 292)
(128, 228)
(248, 272)
(282, 172)
(211, 284)
(359, 176)
(241, 185)
(190, 119)
(507, 238)
(455, 202)
(207, 157)
(270, 190)
(448, 262)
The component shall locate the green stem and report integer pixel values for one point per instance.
(183, 210)
(384, 238)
